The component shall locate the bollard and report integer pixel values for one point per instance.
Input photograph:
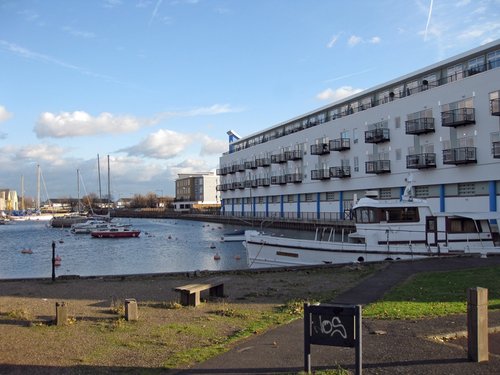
(477, 324)
(131, 312)
(61, 314)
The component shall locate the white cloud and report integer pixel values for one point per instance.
(80, 123)
(4, 114)
(337, 94)
(79, 33)
(354, 40)
(163, 144)
(38, 153)
(332, 41)
(211, 146)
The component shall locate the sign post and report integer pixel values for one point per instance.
(332, 325)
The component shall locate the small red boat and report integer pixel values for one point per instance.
(115, 232)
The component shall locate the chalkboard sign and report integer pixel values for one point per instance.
(333, 325)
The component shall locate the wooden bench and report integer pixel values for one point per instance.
(190, 294)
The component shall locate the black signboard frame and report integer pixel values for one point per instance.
(332, 325)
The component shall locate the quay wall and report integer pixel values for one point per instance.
(257, 222)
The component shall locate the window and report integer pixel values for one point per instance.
(455, 73)
(365, 215)
(493, 59)
(330, 196)
(356, 164)
(475, 65)
(400, 214)
(398, 154)
(462, 225)
(421, 191)
(466, 189)
(309, 197)
(397, 122)
(385, 194)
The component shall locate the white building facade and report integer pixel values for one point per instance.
(196, 190)
(441, 124)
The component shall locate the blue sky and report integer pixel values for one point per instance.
(156, 84)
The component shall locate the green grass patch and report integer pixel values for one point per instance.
(436, 294)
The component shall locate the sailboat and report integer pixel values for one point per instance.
(37, 214)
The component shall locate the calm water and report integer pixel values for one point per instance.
(164, 246)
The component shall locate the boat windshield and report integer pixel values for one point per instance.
(373, 215)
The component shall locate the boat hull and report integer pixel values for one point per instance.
(127, 234)
(268, 251)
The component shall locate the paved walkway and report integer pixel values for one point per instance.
(389, 347)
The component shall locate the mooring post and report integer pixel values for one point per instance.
(131, 311)
(477, 324)
(53, 261)
(61, 314)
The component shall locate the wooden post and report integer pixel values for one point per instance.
(61, 314)
(53, 261)
(131, 312)
(477, 324)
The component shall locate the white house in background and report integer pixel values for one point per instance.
(8, 200)
(196, 190)
(440, 123)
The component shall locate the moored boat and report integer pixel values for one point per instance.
(115, 231)
(385, 230)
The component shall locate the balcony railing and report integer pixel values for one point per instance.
(459, 155)
(293, 155)
(340, 144)
(222, 171)
(320, 149)
(263, 181)
(340, 172)
(420, 125)
(495, 149)
(458, 117)
(495, 107)
(377, 135)
(378, 166)
(320, 174)
(251, 164)
(263, 162)
(421, 161)
(293, 177)
(278, 158)
(241, 167)
(278, 180)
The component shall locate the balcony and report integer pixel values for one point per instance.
(459, 155)
(420, 126)
(278, 158)
(495, 149)
(278, 180)
(377, 135)
(340, 172)
(251, 164)
(293, 155)
(263, 162)
(293, 178)
(495, 107)
(421, 161)
(458, 117)
(340, 144)
(320, 174)
(222, 171)
(320, 149)
(241, 167)
(222, 187)
(238, 185)
(263, 181)
(378, 166)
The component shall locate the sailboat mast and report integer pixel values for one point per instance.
(109, 184)
(78, 187)
(38, 188)
(99, 176)
(22, 192)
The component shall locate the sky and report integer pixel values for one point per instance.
(156, 84)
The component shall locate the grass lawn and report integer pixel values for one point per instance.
(436, 294)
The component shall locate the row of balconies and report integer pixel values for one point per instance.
(423, 125)
(454, 156)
